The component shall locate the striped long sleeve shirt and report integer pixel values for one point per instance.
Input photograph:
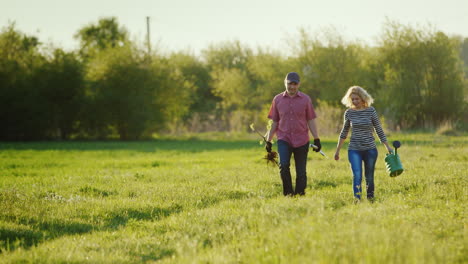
(363, 122)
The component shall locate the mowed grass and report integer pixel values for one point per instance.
(216, 201)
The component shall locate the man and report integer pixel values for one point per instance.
(293, 116)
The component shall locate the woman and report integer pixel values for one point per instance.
(363, 119)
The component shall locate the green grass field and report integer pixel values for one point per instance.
(216, 201)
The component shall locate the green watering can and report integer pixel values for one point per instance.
(392, 161)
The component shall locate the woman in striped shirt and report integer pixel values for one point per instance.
(362, 149)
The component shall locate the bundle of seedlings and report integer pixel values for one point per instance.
(272, 156)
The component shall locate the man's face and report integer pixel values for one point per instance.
(292, 88)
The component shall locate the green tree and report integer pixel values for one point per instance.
(444, 80)
(464, 54)
(120, 92)
(329, 65)
(196, 78)
(231, 81)
(176, 95)
(21, 113)
(423, 79)
(226, 55)
(134, 98)
(268, 70)
(60, 81)
(105, 34)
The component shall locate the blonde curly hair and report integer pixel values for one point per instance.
(359, 91)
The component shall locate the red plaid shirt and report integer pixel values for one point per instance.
(292, 115)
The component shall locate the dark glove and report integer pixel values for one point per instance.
(317, 143)
(268, 146)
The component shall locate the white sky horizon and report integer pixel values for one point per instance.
(191, 26)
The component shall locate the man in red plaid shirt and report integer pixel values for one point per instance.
(293, 117)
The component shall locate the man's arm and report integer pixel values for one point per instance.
(313, 128)
(272, 131)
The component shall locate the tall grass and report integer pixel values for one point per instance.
(216, 201)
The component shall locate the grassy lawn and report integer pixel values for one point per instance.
(200, 200)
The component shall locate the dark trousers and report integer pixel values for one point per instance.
(300, 158)
(369, 158)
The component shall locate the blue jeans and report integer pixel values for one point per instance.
(300, 158)
(356, 158)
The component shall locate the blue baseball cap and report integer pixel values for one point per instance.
(292, 77)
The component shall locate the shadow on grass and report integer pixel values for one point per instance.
(95, 192)
(215, 198)
(337, 204)
(32, 232)
(156, 255)
(13, 237)
(121, 217)
(323, 184)
(237, 195)
(186, 145)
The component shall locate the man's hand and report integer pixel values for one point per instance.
(268, 146)
(317, 143)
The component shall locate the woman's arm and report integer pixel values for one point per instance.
(338, 147)
(379, 130)
(343, 135)
(389, 149)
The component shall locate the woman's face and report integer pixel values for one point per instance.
(357, 101)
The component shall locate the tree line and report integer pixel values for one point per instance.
(113, 87)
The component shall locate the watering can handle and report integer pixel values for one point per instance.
(393, 151)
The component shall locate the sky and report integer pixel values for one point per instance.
(194, 25)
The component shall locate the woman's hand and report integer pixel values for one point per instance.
(337, 152)
(389, 149)
(337, 155)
